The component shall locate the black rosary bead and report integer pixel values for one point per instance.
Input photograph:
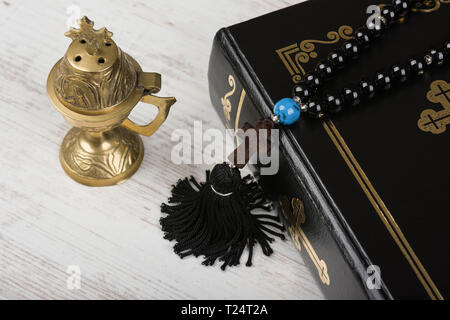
(416, 66)
(351, 97)
(302, 91)
(382, 81)
(325, 70)
(313, 81)
(446, 48)
(351, 49)
(367, 89)
(401, 7)
(377, 28)
(314, 109)
(332, 103)
(399, 73)
(337, 59)
(362, 35)
(437, 57)
(388, 13)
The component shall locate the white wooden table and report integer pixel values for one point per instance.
(48, 222)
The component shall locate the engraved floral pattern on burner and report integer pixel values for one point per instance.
(120, 156)
(96, 91)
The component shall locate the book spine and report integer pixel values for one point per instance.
(238, 97)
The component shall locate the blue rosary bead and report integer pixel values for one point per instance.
(287, 111)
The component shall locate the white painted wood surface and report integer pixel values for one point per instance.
(48, 222)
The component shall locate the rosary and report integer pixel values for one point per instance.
(214, 219)
(306, 97)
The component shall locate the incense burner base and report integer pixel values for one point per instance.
(101, 158)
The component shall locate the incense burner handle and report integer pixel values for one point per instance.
(151, 82)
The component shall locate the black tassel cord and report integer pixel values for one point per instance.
(214, 219)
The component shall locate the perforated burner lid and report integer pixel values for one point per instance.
(94, 74)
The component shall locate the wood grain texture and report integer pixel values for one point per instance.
(48, 222)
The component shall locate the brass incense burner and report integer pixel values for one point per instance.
(95, 86)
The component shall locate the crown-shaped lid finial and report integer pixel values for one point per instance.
(94, 38)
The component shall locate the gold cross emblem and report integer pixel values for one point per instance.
(436, 121)
(294, 213)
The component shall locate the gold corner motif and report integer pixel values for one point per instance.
(296, 55)
(431, 6)
(436, 121)
(294, 213)
(227, 106)
(226, 103)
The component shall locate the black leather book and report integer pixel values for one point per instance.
(364, 193)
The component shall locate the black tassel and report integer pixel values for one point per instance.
(213, 219)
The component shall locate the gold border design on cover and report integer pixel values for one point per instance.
(382, 211)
